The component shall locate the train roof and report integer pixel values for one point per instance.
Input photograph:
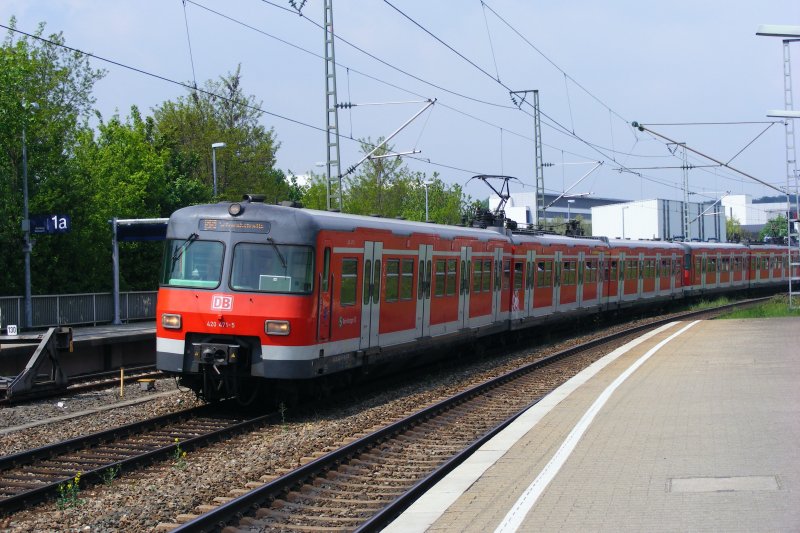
(661, 245)
(295, 225)
(549, 239)
(693, 245)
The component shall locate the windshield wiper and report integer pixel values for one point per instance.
(179, 252)
(272, 242)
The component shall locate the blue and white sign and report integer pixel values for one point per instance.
(12, 330)
(47, 224)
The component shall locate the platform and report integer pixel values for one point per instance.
(96, 348)
(692, 428)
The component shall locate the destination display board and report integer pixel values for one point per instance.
(236, 226)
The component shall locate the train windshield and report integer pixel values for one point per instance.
(272, 267)
(192, 263)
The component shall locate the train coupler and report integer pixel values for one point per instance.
(216, 354)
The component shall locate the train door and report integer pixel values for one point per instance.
(497, 292)
(530, 281)
(600, 276)
(700, 270)
(371, 294)
(640, 286)
(579, 274)
(660, 266)
(325, 289)
(463, 291)
(424, 266)
(556, 280)
(673, 269)
(611, 274)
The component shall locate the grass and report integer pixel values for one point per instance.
(777, 306)
(709, 304)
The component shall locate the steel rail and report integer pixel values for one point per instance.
(220, 517)
(31, 457)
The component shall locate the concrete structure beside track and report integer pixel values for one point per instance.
(96, 349)
(692, 428)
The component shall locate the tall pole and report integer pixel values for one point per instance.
(687, 230)
(26, 230)
(541, 210)
(214, 168)
(426, 201)
(623, 221)
(334, 174)
(214, 147)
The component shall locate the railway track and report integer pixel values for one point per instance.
(86, 383)
(34, 475)
(367, 482)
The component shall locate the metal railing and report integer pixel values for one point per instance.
(77, 309)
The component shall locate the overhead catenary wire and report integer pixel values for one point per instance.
(555, 126)
(189, 40)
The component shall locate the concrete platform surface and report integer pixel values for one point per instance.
(695, 427)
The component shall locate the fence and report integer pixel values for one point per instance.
(76, 309)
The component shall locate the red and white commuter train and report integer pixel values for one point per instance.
(252, 293)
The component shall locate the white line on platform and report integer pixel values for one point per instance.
(524, 504)
(431, 506)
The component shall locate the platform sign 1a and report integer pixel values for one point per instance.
(48, 224)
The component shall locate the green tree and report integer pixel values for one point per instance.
(314, 194)
(222, 113)
(46, 90)
(775, 228)
(733, 229)
(125, 173)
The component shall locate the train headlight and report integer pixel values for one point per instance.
(171, 321)
(277, 327)
(235, 209)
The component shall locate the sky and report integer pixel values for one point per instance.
(693, 71)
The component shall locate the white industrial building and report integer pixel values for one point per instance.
(647, 219)
(658, 220)
(521, 207)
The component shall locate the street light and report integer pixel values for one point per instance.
(26, 223)
(214, 147)
(790, 34)
(623, 220)
(425, 184)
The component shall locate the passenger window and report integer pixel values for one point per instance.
(440, 275)
(392, 280)
(407, 280)
(376, 291)
(349, 283)
(518, 275)
(477, 271)
(486, 284)
(367, 273)
(450, 284)
(326, 270)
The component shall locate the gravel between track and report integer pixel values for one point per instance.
(139, 501)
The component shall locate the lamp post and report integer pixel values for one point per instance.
(27, 245)
(214, 147)
(790, 34)
(425, 184)
(623, 220)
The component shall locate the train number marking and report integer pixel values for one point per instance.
(214, 324)
(221, 302)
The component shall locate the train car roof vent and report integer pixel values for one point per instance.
(290, 203)
(253, 198)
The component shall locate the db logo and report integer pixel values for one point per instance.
(220, 302)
